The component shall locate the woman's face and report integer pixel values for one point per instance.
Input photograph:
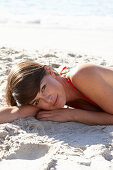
(52, 94)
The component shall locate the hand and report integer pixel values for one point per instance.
(60, 115)
(27, 110)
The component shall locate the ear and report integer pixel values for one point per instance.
(50, 71)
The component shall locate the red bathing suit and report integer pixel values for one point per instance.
(74, 104)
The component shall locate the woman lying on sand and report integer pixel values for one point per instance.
(37, 90)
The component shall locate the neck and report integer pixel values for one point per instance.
(71, 94)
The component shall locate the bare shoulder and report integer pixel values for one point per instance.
(92, 74)
(96, 82)
(83, 71)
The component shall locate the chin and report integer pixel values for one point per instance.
(61, 105)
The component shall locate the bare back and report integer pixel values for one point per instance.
(107, 74)
(96, 82)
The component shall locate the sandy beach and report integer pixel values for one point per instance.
(29, 144)
(93, 41)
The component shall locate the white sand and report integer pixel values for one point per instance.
(34, 145)
(95, 42)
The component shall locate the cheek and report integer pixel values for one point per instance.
(62, 100)
(43, 105)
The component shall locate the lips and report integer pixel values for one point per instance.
(56, 101)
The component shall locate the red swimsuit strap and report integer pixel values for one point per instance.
(69, 81)
(87, 98)
(61, 72)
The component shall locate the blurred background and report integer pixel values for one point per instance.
(74, 24)
(73, 14)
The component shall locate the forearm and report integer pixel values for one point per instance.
(9, 114)
(92, 118)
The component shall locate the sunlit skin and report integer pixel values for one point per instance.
(53, 92)
(51, 96)
(94, 81)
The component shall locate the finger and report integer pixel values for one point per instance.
(39, 116)
(47, 119)
(43, 112)
(50, 118)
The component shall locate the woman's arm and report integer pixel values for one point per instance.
(9, 114)
(76, 115)
(93, 118)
